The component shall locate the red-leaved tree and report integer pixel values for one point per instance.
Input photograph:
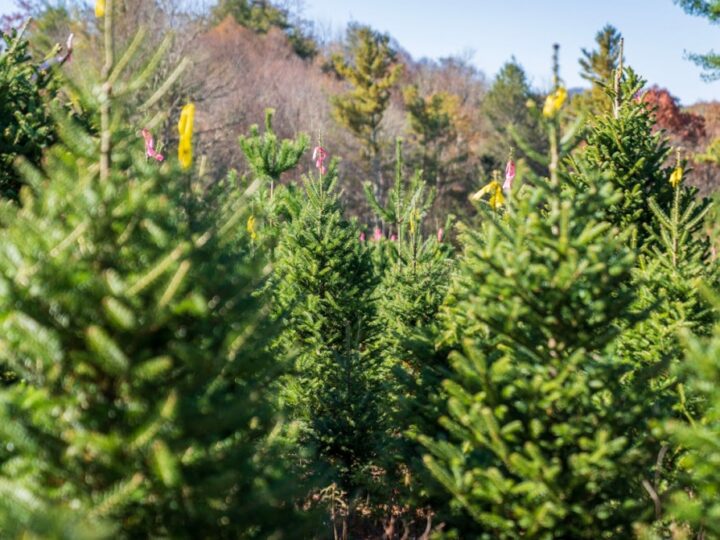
(682, 127)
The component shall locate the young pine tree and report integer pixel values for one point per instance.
(413, 284)
(139, 347)
(624, 146)
(676, 261)
(538, 425)
(267, 157)
(411, 290)
(324, 284)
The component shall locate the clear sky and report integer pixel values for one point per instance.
(657, 34)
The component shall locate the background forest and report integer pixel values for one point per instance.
(357, 95)
(255, 283)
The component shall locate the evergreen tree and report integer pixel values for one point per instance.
(410, 293)
(539, 426)
(268, 157)
(26, 123)
(598, 67)
(414, 280)
(624, 146)
(406, 201)
(140, 349)
(676, 260)
(372, 71)
(323, 296)
(696, 501)
(506, 107)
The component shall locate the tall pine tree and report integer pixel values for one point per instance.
(598, 67)
(372, 71)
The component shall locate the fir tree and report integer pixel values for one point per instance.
(671, 268)
(695, 502)
(412, 288)
(323, 296)
(538, 421)
(140, 348)
(26, 123)
(268, 157)
(676, 260)
(625, 147)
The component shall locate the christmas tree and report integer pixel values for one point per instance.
(537, 418)
(624, 146)
(695, 501)
(324, 284)
(412, 288)
(26, 124)
(139, 348)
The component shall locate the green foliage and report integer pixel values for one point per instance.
(412, 288)
(506, 107)
(372, 72)
(696, 502)
(677, 261)
(323, 297)
(540, 443)
(709, 9)
(407, 202)
(139, 347)
(667, 282)
(141, 399)
(26, 123)
(625, 147)
(156, 325)
(414, 279)
(268, 157)
(598, 67)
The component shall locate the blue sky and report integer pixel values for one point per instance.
(657, 34)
